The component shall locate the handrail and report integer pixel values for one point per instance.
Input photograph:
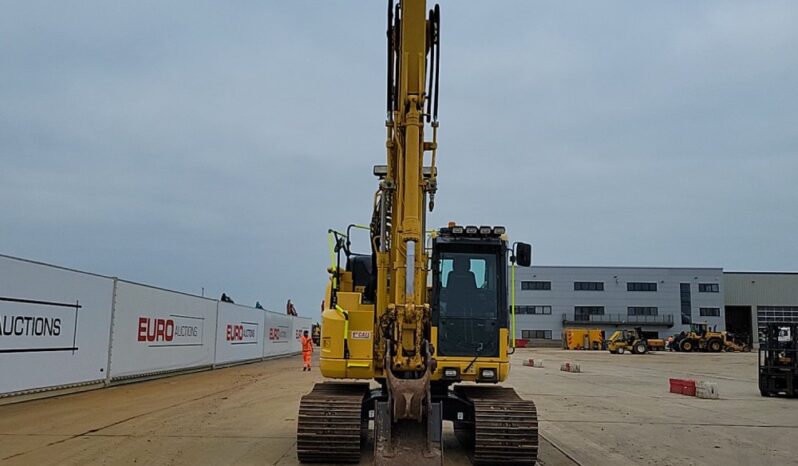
(512, 305)
(345, 315)
(331, 244)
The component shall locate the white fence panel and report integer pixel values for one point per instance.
(54, 326)
(300, 324)
(278, 334)
(239, 335)
(156, 330)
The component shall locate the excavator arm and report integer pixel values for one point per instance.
(402, 302)
(403, 348)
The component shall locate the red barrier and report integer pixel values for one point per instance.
(521, 343)
(682, 387)
(688, 388)
(676, 386)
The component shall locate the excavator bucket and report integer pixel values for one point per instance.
(407, 427)
(407, 442)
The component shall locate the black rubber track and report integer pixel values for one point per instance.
(329, 428)
(505, 426)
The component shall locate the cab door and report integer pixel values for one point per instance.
(466, 303)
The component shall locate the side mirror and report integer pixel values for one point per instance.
(523, 254)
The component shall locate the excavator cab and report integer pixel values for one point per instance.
(468, 300)
(469, 294)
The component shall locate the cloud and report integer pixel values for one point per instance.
(211, 145)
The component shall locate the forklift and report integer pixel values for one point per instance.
(778, 360)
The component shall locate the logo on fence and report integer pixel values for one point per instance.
(174, 330)
(278, 334)
(242, 333)
(29, 326)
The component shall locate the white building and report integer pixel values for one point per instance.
(663, 301)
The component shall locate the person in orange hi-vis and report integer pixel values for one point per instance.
(307, 350)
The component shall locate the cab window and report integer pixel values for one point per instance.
(467, 284)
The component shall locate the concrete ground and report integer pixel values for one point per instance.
(243, 415)
(617, 410)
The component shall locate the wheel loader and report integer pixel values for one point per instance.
(700, 338)
(632, 340)
(406, 324)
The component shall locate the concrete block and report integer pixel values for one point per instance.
(568, 366)
(708, 390)
(533, 362)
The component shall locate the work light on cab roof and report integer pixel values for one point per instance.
(471, 230)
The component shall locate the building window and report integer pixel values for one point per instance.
(533, 310)
(588, 286)
(687, 306)
(709, 311)
(535, 285)
(536, 334)
(708, 288)
(583, 313)
(642, 311)
(641, 286)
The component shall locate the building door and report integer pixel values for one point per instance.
(739, 322)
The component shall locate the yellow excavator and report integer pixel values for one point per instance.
(417, 331)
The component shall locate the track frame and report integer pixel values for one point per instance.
(493, 422)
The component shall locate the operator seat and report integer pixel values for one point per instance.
(461, 278)
(461, 286)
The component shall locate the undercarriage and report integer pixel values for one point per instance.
(493, 423)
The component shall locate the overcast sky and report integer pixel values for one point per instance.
(212, 144)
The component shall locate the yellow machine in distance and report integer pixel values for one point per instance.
(634, 341)
(583, 339)
(624, 340)
(418, 313)
(703, 338)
